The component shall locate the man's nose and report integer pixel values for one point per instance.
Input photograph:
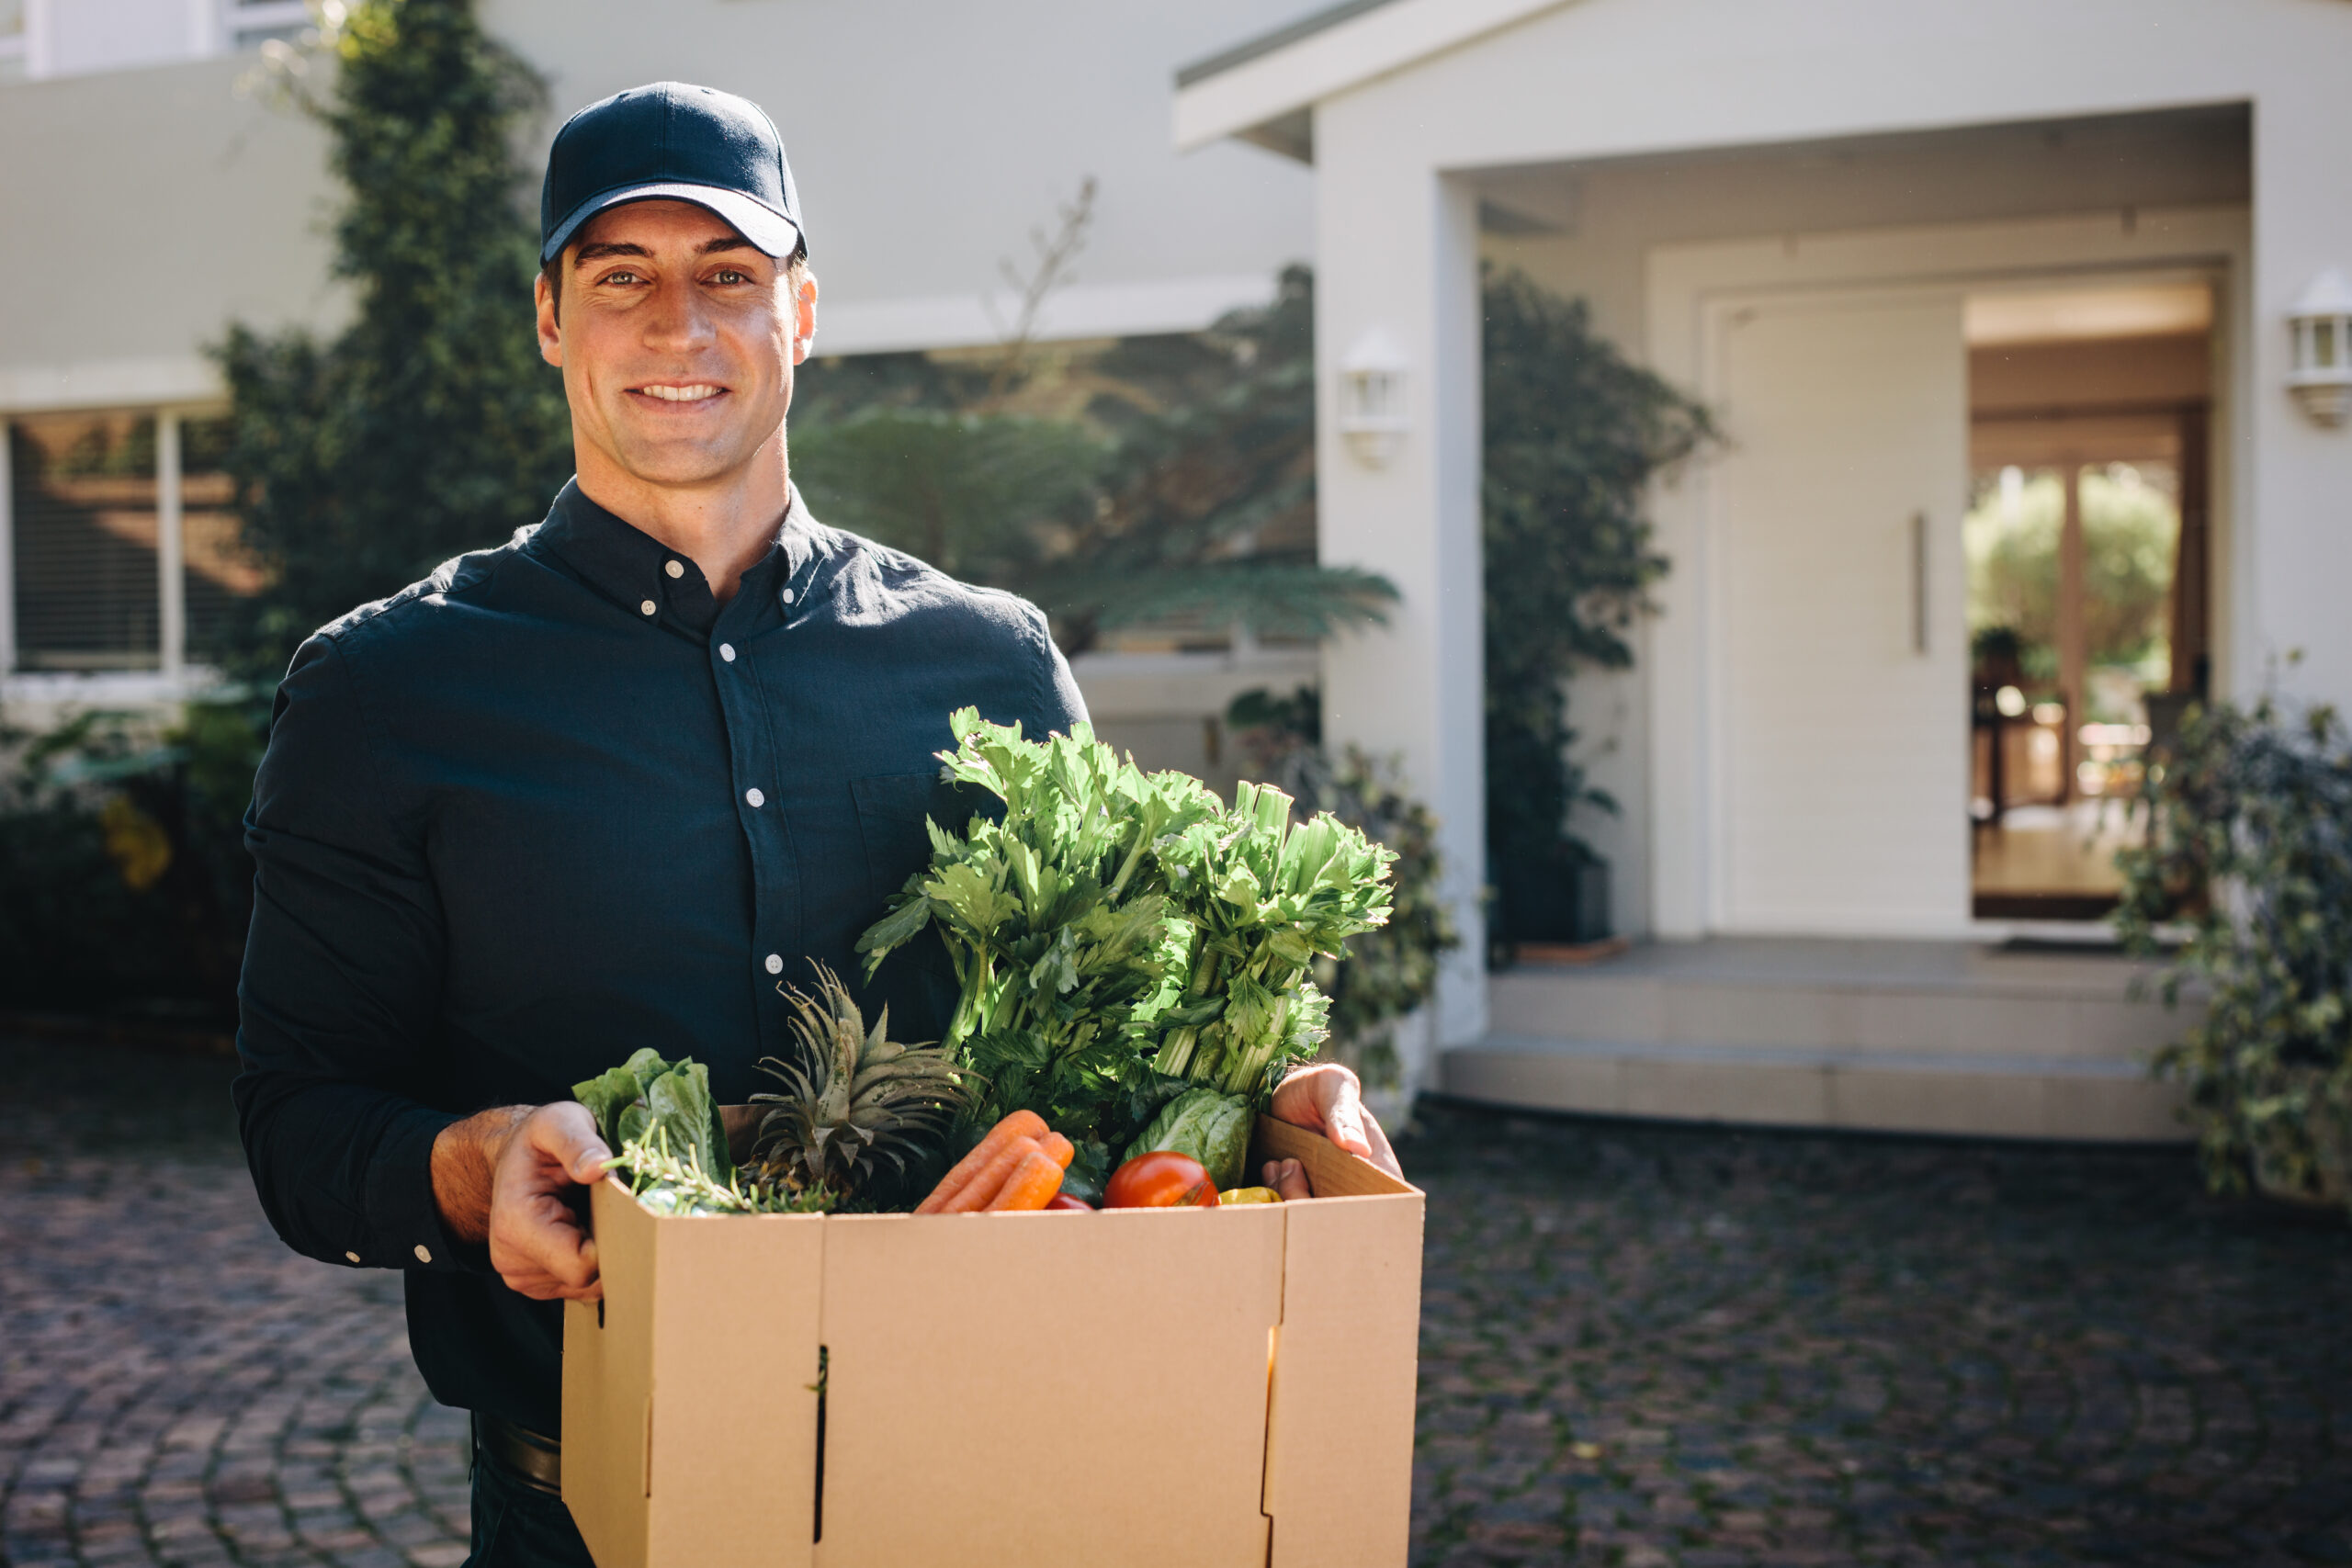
(678, 319)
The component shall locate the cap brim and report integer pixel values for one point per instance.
(769, 230)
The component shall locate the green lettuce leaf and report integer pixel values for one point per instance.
(1212, 1128)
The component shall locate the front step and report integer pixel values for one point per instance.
(1897, 1036)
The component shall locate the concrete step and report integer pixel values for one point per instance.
(1909, 1036)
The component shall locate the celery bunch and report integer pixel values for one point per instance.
(1059, 924)
(1265, 896)
(1118, 933)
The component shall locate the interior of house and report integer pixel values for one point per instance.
(2088, 545)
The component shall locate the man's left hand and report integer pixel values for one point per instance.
(1325, 1097)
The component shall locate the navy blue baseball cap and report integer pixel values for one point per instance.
(675, 142)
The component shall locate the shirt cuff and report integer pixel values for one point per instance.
(402, 1214)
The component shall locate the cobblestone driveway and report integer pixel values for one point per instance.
(1640, 1346)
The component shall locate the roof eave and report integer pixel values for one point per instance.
(1256, 89)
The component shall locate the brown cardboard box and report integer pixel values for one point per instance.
(1135, 1387)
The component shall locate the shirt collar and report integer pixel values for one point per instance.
(633, 569)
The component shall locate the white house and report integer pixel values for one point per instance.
(152, 202)
(1940, 271)
(1912, 253)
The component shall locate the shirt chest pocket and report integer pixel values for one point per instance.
(891, 808)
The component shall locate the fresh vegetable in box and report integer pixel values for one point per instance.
(1132, 958)
(1213, 1128)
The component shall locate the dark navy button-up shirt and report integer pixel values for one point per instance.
(556, 802)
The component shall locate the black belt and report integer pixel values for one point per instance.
(536, 1461)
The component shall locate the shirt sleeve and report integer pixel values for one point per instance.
(340, 985)
(1056, 703)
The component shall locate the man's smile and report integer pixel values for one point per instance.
(687, 392)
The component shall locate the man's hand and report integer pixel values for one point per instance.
(1325, 1097)
(506, 1176)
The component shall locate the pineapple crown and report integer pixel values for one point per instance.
(854, 1100)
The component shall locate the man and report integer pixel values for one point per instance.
(603, 787)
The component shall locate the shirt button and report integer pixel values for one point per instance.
(775, 964)
(673, 568)
(755, 797)
(351, 1256)
(787, 596)
(647, 607)
(726, 651)
(423, 1253)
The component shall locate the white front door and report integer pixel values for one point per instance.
(1839, 668)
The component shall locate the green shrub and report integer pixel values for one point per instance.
(123, 853)
(1386, 973)
(2249, 861)
(1575, 432)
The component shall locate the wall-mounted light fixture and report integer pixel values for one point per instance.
(1372, 399)
(2321, 371)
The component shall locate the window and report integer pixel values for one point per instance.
(217, 572)
(113, 565)
(248, 23)
(83, 510)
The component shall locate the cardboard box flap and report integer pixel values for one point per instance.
(688, 1445)
(1339, 1429)
(1331, 1171)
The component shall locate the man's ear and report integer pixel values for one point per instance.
(550, 330)
(804, 318)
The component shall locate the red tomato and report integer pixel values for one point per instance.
(1161, 1179)
(1064, 1200)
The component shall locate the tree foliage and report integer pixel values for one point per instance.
(1383, 974)
(1182, 487)
(979, 496)
(1574, 436)
(429, 425)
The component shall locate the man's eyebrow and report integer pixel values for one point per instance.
(597, 252)
(587, 254)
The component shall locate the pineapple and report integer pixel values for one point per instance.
(857, 1102)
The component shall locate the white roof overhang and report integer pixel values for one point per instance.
(1263, 90)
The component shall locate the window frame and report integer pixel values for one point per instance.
(173, 676)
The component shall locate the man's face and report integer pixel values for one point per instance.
(678, 342)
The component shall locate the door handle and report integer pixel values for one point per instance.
(1919, 582)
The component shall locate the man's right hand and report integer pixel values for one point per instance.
(506, 1176)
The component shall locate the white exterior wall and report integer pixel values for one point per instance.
(1620, 78)
(928, 138)
(159, 207)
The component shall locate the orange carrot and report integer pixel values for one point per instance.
(1059, 1149)
(1031, 1184)
(978, 1192)
(1020, 1124)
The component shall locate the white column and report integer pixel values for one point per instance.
(171, 574)
(8, 554)
(1398, 252)
(2290, 539)
(203, 28)
(38, 41)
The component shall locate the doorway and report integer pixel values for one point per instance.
(2087, 544)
